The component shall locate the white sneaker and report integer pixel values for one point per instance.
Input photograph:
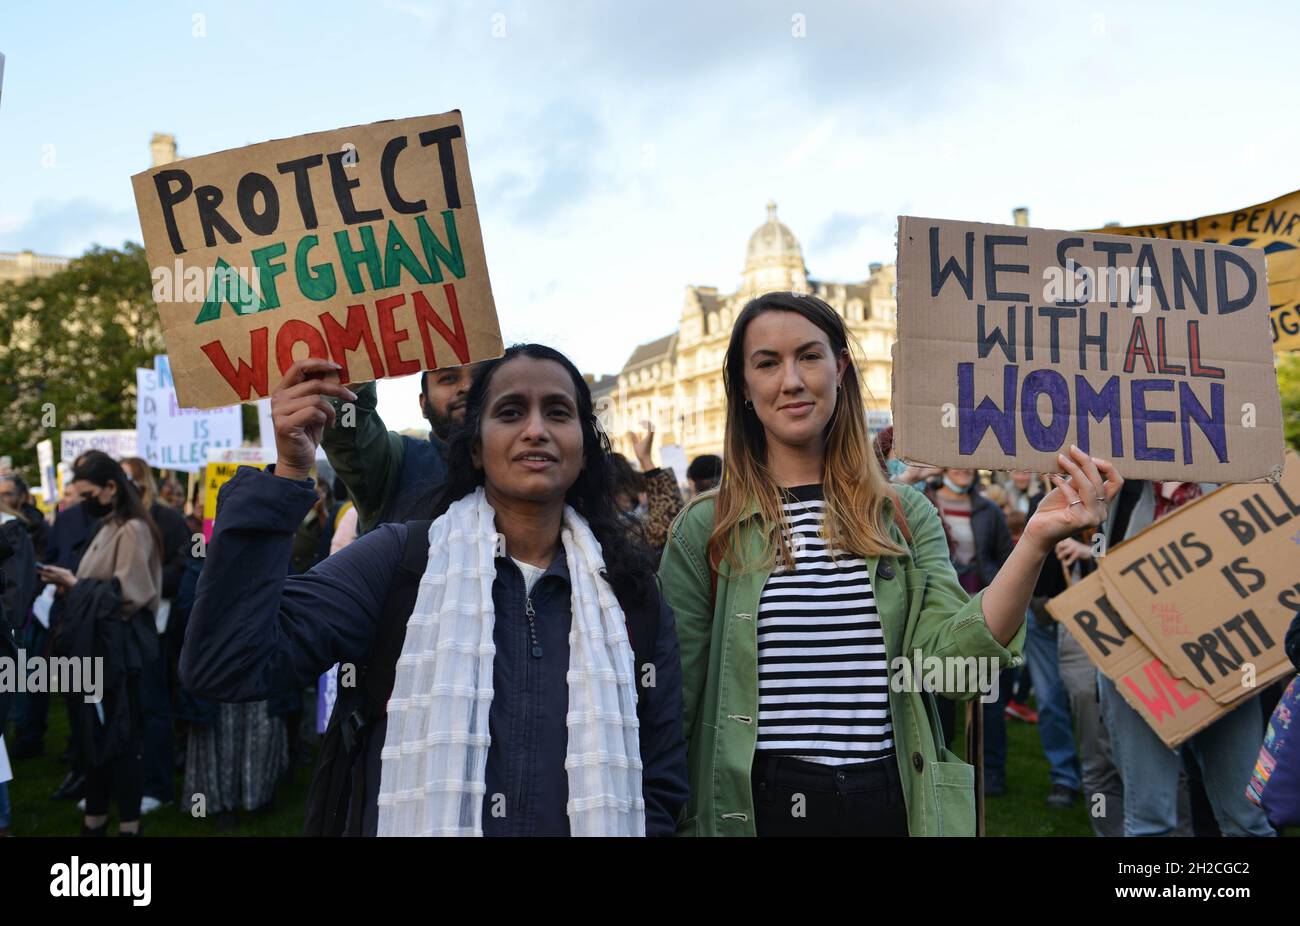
(149, 804)
(81, 805)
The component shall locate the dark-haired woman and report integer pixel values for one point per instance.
(800, 584)
(538, 689)
(121, 570)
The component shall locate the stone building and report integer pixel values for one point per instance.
(17, 267)
(676, 381)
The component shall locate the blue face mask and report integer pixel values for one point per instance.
(895, 467)
(953, 487)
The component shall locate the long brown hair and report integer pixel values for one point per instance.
(854, 486)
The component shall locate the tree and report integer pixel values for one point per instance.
(1288, 385)
(69, 348)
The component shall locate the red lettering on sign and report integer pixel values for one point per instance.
(246, 380)
(392, 338)
(454, 336)
(343, 338)
(295, 330)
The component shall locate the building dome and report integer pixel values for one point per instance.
(773, 259)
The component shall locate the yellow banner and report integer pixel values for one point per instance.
(1274, 227)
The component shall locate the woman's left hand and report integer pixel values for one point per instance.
(1076, 504)
(62, 578)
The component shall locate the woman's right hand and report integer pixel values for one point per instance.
(300, 413)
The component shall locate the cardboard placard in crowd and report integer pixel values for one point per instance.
(49, 477)
(221, 468)
(1274, 227)
(1172, 707)
(169, 436)
(118, 443)
(1014, 343)
(1189, 616)
(361, 245)
(1212, 588)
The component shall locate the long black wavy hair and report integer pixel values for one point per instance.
(98, 468)
(629, 565)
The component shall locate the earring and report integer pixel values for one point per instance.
(749, 405)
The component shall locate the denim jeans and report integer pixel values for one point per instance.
(1102, 788)
(1225, 751)
(5, 810)
(995, 730)
(1054, 728)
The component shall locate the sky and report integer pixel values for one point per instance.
(622, 150)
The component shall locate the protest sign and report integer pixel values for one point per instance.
(265, 424)
(1197, 604)
(673, 456)
(49, 478)
(1273, 227)
(117, 443)
(1171, 706)
(171, 437)
(361, 245)
(1212, 589)
(1014, 343)
(221, 468)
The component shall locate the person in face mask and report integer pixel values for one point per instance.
(127, 549)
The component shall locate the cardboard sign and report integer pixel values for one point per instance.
(361, 245)
(49, 478)
(171, 437)
(1212, 589)
(117, 443)
(1172, 708)
(1198, 604)
(1015, 342)
(1274, 227)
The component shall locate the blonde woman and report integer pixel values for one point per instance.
(803, 576)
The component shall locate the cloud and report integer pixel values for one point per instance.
(842, 229)
(68, 227)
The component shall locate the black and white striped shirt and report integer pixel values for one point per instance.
(823, 692)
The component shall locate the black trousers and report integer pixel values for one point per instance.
(797, 798)
(122, 779)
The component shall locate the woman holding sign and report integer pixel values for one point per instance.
(809, 594)
(506, 669)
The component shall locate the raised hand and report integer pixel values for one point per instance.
(641, 444)
(300, 413)
(1079, 501)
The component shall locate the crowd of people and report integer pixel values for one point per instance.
(539, 638)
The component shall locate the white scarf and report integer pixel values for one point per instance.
(435, 750)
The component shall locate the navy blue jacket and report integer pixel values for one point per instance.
(253, 628)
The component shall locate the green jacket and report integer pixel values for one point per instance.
(374, 462)
(922, 608)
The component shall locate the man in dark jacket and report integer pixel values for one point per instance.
(386, 471)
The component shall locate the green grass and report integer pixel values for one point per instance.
(34, 814)
(1020, 813)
